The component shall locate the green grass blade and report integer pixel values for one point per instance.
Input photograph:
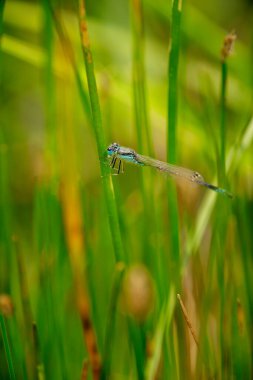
(172, 128)
(153, 362)
(223, 122)
(142, 126)
(138, 340)
(110, 326)
(7, 347)
(139, 78)
(38, 361)
(225, 53)
(99, 134)
(174, 259)
(173, 80)
(2, 4)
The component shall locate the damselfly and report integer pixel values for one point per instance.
(121, 154)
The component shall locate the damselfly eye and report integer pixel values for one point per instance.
(113, 148)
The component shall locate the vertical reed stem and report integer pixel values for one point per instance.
(99, 134)
(223, 120)
(172, 128)
(7, 347)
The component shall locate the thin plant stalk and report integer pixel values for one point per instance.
(223, 121)
(172, 128)
(225, 210)
(137, 336)
(142, 126)
(139, 78)
(27, 310)
(173, 80)
(5, 218)
(187, 320)
(110, 326)
(39, 364)
(99, 134)
(2, 5)
(7, 347)
(225, 53)
(69, 54)
(174, 254)
(49, 95)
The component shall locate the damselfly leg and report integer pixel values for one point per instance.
(113, 162)
(120, 167)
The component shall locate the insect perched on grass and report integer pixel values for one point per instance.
(121, 154)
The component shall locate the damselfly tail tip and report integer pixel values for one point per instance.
(219, 190)
(226, 192)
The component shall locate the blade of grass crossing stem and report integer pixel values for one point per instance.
(99, 134)
(172, 127)
(7, 348)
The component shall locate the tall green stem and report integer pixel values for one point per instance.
(142, 126)
(139, 79)
(99, 134)
(223, 121)
(174, 259)
(7, 347)
(173, 80)
(2, 4)
(172, 128)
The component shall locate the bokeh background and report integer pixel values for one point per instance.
(58, 263)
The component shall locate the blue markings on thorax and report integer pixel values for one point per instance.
(124, 154)
(129, 157)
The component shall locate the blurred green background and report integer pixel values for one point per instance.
(63, 284)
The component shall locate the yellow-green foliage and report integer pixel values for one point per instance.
(91, 263)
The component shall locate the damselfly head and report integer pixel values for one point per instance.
(112, 149)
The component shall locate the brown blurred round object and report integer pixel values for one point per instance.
(6, 305)
(138, 292)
